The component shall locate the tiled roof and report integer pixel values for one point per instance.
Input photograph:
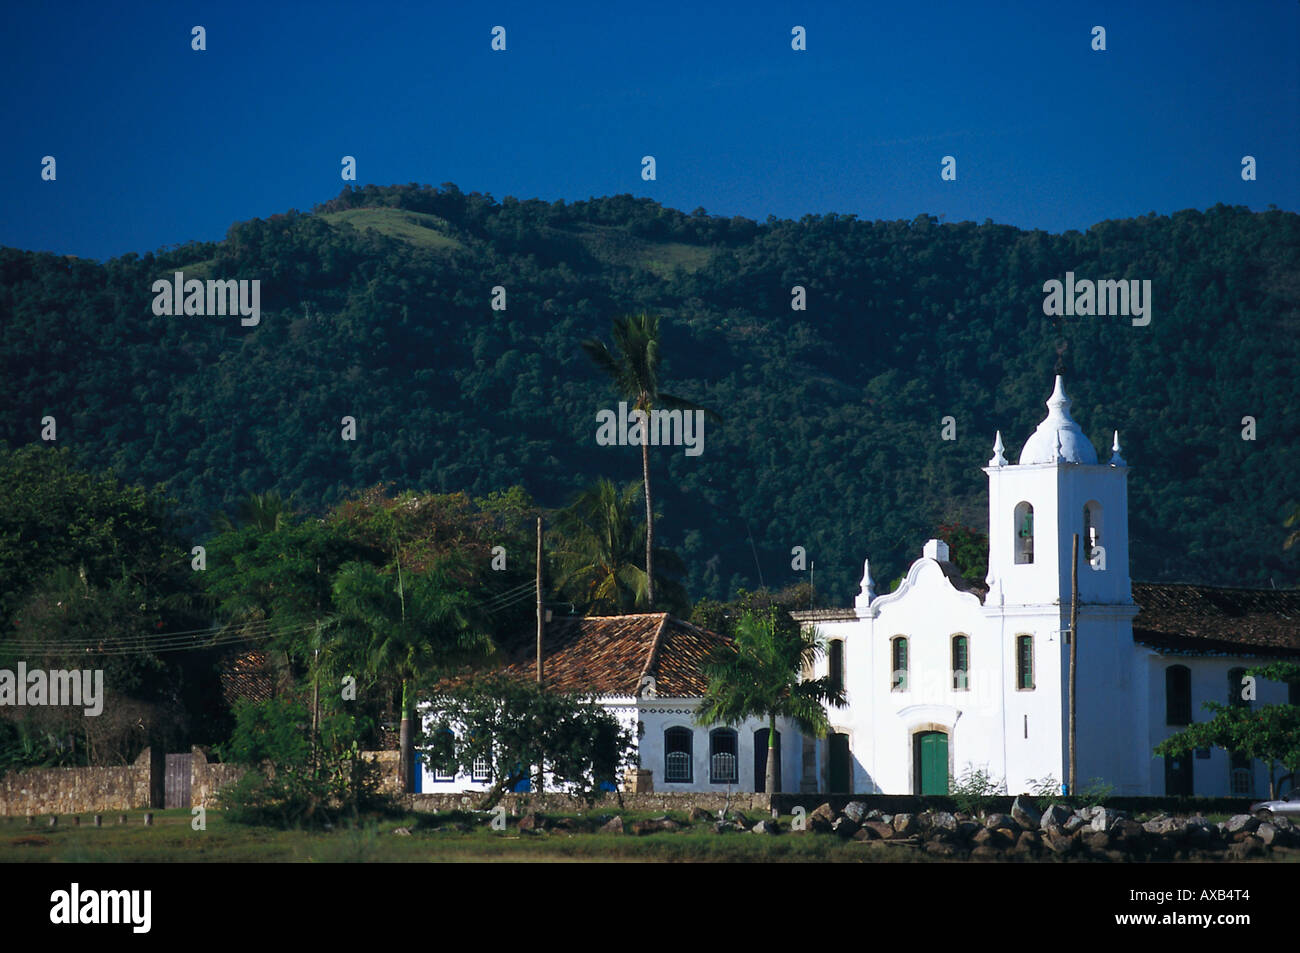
(247, 676)
(1214, 620)
(609, 655)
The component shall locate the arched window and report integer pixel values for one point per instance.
(836, 657)
(898, 653)
(1024, 541)
(1091, 527)
(960, 663)
(1025, 662)
(1235, 687)
(724, 765)
(677, 755)
(1178, 695)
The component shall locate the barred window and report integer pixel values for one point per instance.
(1025, 662)
(482, 768)
(898, 679)
(678, 744)
(960, 663)
(723, 763)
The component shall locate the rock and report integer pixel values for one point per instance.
(984, 852)
(699, 814)
(613, 826)
(1029, 842)
(1057, 842)
(1198, 832)
(856, 811)
(532, 821)
(1160, 824)
(1130, 831)
(1267, 834)
(882, 830)
(1054, 817)
(1074, 822)
(1024, 813)
(1241, 822)
(994, 821)
(567, 824)
(1252, 846)
(845, 827)
(865, 833)
(823, 812)
(887, 818)
(1088, 812)
(905, 825)
(668, 824)
(939, 849)
(968, 829)
(1104, 819)
(403, 831)
(765, 827)
(943, 821)
(983, 837)
(721, 827)
(651, 826)
(1097, 841)
(872, 815)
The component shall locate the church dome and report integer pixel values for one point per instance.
(1058, 431)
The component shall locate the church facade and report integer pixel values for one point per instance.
(944, 677)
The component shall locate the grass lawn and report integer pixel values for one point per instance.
(171, 839)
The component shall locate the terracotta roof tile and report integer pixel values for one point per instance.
(608, 655)
(1217, 620)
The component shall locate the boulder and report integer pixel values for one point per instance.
(403, 831)
(1024, 813)
(1104, 819)
(822, 812)
(872, 815)
(1029, 842)
(613, 826)
(1097, 841)
(994, 821)
(856, 811)
(1241, 822)
(984, 852)
(983, 837)
(844, 827)
(699, 814)
(532, 821)
(882, 830)
(1267, 833)
(721, 827)
(1057, 842)
(1160, 824)
(943, 821)
(937, 848)
(1130, 831)
(968, 829)
(905, 825)
(1074, 822)
(1054, 817)
(765, 827)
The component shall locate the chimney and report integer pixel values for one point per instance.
(936, 549)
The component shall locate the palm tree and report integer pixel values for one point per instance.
(600, 543)
(409, 627)
(634, 368)
(265, 512)
(759, 675)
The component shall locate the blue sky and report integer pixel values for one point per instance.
(157, 144)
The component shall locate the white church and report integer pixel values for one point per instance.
(943, 678)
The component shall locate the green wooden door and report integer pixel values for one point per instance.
(932, 763)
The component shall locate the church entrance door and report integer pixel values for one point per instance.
(930, 762)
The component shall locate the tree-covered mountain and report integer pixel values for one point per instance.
(377, 305)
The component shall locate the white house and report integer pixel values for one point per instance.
(944, 677)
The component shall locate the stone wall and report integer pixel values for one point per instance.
(78, 790)
(209, 777)
(562, 803)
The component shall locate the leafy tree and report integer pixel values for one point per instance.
(409, 625)
(291, 781)
(760, 675)
(968, 550)
(634, 369)
(516, 725)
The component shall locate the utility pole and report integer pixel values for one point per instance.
(1074, 650)
(541, 619)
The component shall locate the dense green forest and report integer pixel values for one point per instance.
(377, 305)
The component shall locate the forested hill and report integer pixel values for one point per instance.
(377, 306)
